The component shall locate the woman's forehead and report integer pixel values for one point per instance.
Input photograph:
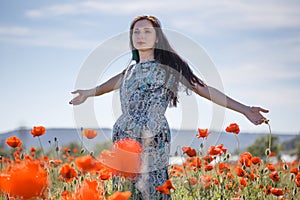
(143, 24)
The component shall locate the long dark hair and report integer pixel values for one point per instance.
(166, 55)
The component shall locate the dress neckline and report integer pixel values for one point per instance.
(145, 62)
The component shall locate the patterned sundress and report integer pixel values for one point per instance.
(145, 96)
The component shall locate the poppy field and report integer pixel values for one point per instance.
(76, 174)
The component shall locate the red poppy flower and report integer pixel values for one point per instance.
(255, 160)
(13, 142)
(124, 157)
(120, 195)
(38, 131)
(195, 162)
(294, 170)
(55, 162)
(105, 174)
(24, 180)
(193, 180)
(208, 167)
(277, 191)
(272, 154)
(89, 190)
(233, 128)
(243, 182)
(223, 167)
(245, 161)
(271, 167)
(274, 176)
(189, 151)
(267, 190)
(202, 133)
(216, 150)
(208, 158)
(165, 189)
(66, 195)
(206, 181)
(89, 133)
(240, 172)
(177, 169)
(68, 172)
(88, 164)
(230, 176)
(216, 181)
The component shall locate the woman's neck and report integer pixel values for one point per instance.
(146, 55)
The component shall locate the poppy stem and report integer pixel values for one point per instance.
(41, 145)
(238, 143)
(270, 134)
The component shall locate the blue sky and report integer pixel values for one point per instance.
(255, 46)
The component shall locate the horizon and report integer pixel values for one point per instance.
(252, 46)
(171, 129)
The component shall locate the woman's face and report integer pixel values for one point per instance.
(143, 35)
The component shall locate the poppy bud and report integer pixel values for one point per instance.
(201, 145)
(285, 166)
(176, 153)
(294, 191)
(228, 155)
(82, 150)
(92, 153)
(267, 152)
(292, 176)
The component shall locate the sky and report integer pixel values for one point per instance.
(253, 45)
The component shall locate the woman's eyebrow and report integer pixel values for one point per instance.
(144, 28)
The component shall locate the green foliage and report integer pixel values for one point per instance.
(262, 143)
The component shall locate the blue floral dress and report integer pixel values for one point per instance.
(145, 96)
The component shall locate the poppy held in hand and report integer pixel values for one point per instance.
(13, 142)
(38, 131)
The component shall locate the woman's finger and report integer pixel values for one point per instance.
(264, 110)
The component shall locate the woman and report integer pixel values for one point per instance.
(146, 89)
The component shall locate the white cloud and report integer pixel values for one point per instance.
(205, 17)
(14, 30)
(44, 37)
(91, 7)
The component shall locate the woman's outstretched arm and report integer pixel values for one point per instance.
(108, 86)
(252, 113)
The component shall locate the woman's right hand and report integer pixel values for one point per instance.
(81, 97)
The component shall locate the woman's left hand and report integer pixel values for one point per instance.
(254, 115)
